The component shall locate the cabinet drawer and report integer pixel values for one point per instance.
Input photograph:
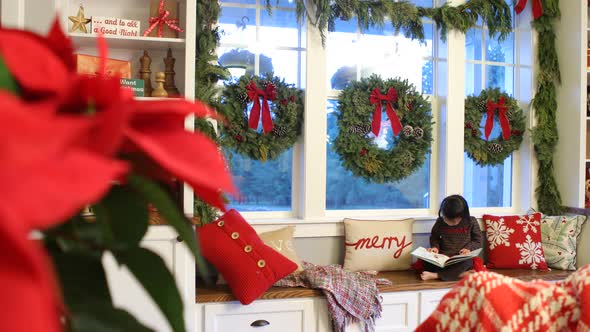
(399, 312)
(266, 316)
(429, 301)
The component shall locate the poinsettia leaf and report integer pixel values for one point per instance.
(126, 214)
(7, 82)
(152, 273)
(154, 194)
(82, 278)
(101, 316)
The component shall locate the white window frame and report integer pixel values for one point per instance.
(446, 174)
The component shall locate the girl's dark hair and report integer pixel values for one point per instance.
(454, 206)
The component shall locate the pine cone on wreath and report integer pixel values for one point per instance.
(495, 148)
(510, 114)
(243, 99)
(278, 131)
(482, 105)
(408, 130)
(418, 132)
(360, 130)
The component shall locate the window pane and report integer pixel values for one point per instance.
(254, 43)
(263, 186)
(472, 79)
(488, 186)
(500, 77)
(422, 3)
(284, 63)
(500, 51)
(473, 44)
(341, 69)
(346, 192)
(428, 77)
(279, 28)
(237, 25)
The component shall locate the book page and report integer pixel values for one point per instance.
(423, 253)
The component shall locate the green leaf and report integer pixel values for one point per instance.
(95, 316)
(126, 214)
(167, 209)
(151, 271)
(7, 82)
(82, 277)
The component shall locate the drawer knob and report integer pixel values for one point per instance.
(179, 238)
(260, 323)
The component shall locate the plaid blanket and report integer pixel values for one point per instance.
(488, 301)
(351, 296)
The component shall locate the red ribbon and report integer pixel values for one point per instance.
(160, 20)
(504, 123)
(254, 94)
(390, 98)
(537, 7)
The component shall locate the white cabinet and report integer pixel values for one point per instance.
(293, 315)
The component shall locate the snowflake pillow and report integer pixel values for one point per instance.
(514, 242)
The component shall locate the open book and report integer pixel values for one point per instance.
(440, 259)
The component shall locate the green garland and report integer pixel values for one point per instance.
(407, 17)
(207, 74)
(491, 152)
(357, 148)
(545, 104)
(288, 118)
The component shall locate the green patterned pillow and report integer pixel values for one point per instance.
(560, 239)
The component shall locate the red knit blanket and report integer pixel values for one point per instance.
(488, 301)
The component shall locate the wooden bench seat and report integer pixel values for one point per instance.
(401, 281)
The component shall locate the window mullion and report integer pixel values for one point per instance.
(452, 117)
(313, 163)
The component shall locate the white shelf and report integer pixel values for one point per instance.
(156, 98)
(84, 39)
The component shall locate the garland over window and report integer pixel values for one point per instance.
(407, 17)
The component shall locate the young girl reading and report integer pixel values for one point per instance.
(454, 232)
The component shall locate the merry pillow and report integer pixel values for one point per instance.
(248, 265)
(514, 242)
(377, 245)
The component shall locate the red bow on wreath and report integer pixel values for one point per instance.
(160, 20)
(504, 123)
(254, 94)
(537, 7)
(390, 98)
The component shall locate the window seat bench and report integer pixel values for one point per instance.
(400, 281)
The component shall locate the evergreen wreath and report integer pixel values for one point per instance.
(361, 104)
(251, 97)
(494, 104)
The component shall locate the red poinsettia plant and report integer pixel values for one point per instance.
(68, 141)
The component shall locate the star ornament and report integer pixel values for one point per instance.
(79, 21)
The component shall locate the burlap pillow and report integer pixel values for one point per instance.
(281, 240)
(378, 245)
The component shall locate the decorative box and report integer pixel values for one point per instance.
(172, 7)
(89, 64)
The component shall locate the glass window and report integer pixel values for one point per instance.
(256, 43)
(346, 192)
(494, 64)
(352, 55)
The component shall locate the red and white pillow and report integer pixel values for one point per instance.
(514, 242)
